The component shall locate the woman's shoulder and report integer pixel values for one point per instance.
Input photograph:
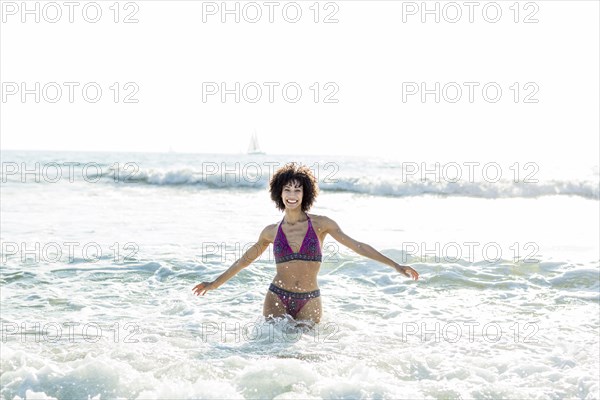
(270, 231)
(321, 220)
(318, 217)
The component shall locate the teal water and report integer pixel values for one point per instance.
(121, 321)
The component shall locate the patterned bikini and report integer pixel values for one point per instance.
(309, 251)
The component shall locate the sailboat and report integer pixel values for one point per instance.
(254, 148)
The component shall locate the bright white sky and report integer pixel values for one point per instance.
(368, 54)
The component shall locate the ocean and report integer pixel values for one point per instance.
(100, 252)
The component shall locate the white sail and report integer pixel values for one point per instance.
(253, 147)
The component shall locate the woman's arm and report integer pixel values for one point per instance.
(246, 259)
(332, 228)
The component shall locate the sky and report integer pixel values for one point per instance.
(362, 69)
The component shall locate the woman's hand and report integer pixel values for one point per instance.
(202, 288)
(408, 271)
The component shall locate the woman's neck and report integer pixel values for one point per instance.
(292, 217)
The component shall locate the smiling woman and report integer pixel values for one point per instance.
(297, 246)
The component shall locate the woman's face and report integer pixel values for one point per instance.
(292, 195)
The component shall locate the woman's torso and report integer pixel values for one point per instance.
(298, 275)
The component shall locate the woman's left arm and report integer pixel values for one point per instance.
(332, 228)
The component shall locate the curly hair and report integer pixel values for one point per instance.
(294, 172)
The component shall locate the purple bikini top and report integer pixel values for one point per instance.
(309, 251)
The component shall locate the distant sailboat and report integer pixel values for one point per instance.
(254, 148)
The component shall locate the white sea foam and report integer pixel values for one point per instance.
(388, 186)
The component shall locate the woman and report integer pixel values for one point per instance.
(297, 248)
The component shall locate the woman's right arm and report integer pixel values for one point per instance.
(246, 259)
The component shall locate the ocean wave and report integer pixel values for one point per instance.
(387, 179)
(378, 186)
(502, 275)
(500, 189)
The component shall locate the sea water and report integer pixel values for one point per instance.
(100, 252)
